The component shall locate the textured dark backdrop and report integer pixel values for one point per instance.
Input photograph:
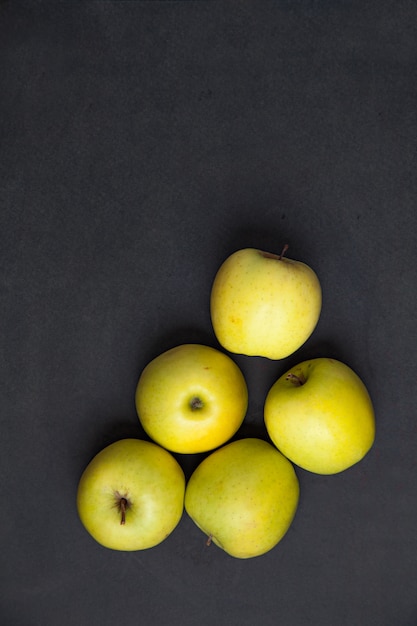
(140, 144)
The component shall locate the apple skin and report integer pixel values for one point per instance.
(244, 497)
(191, 398)
(263, 304)
(324, 425)
(149, 478)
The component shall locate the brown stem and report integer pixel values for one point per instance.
(284, 249)
(209, 539)
(123, 507)
(296, 380)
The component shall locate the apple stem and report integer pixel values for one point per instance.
(123, 507)
(284, 249)
(296, 380)
(209, 539)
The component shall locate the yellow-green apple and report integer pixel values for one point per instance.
(243, 497)
(191, 398)
(264, 304)
(131, 495)
(319, 415)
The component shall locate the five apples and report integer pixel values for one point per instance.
(193, 399)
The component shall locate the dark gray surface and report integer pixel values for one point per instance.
(141, 143)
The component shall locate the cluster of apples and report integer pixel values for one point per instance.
(193, 398)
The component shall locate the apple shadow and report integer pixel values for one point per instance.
(251, 236)
(278, 227)
(115, 429)
(176, 337)
(317, 348)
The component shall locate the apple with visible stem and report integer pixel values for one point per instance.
(191, 398)
(131, 495)
(264, 304)
(319, 415)
(244, 497)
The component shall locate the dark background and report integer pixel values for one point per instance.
(141, 143)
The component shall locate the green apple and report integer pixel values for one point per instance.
(191, 399)
(264, 304)
(131, 495)
(243, 497)
(319, 415)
